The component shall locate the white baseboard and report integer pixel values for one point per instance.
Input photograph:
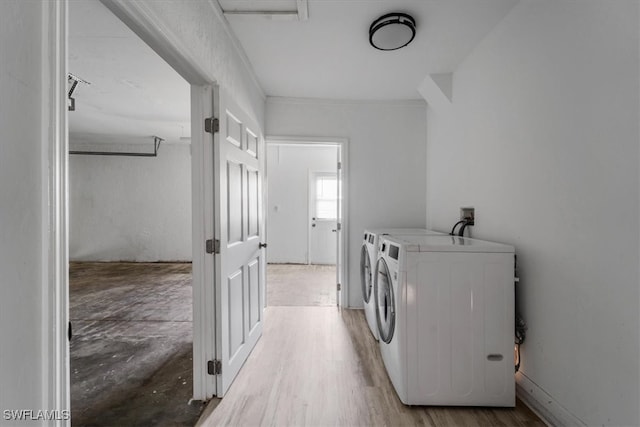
(545, 406)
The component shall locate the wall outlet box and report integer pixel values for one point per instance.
(469, 214)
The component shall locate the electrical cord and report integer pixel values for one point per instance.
(521, 334)
(465, 222)
(453, 230)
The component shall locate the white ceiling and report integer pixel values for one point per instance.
(329, 56)
(133, 94)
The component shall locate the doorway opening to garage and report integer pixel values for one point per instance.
(130, 222)
(306, 202)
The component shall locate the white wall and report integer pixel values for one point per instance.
(288, 169)
(131, 208)
(21, 195)
(386, 162)
(542, 140)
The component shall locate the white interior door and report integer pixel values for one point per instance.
(323, 204)
(239, 279)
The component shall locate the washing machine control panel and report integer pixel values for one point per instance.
(391, 254)
(394, 251)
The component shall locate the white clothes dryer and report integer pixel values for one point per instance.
(368, 258)
(445, 314)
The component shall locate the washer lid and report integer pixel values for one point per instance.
(404, 232)
(447, 243)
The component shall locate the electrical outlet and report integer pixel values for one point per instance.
(469, 214)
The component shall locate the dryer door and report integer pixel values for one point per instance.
(366, 278)
(385, 302)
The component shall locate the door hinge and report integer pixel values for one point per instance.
(211, 125)
(339, 165)
(338, 226)
(339, 287)
(213, 246)
(214, 367)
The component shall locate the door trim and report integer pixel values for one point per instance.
(342, 266)
(55, 214)
(203, 268)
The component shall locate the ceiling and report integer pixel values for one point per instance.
(133, 94)
(298, 48)
(329, 56)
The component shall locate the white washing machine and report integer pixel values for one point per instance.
(368, 258)
(445, 314)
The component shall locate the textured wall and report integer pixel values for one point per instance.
(131, 208)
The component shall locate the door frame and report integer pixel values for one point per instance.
(203, 265)
(342, 266)
(55, 239)
(143, 22)
(55, 213)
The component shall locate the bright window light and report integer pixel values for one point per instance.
(326, 197)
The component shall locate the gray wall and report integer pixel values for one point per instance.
(131, 208)
(542, 139)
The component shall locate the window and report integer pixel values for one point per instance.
(326, 196)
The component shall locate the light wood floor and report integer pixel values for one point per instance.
(303, 285)
(320, 366)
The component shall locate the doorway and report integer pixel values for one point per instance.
(130, 240)
(206, 102)
(304, 214)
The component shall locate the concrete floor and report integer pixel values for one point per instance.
(131, 353)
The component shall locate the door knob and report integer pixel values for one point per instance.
(313, 225)
(262, 245)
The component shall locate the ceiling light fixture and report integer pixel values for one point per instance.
(392, 31)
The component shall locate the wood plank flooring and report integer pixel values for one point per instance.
(320, 366)
(303, 285)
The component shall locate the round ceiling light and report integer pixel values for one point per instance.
(392, 31)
